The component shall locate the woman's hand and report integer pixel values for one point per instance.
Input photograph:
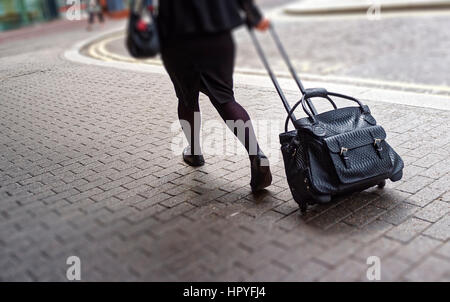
(263, 25)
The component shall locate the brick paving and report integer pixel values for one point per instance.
(86, 169)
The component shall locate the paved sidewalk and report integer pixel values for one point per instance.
(86, 169)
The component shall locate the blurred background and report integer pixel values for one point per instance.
(86, 169)
(18, 13)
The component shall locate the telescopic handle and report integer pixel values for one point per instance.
(290, 66)
(271, 74)
(286, 58)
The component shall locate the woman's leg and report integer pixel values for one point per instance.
(237, 118)
(100, 17)
(186, 84)
(190, 121)
(216, 57)
(90, 20)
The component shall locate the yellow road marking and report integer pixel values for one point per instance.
(99, 51)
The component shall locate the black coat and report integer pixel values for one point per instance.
(180, 17)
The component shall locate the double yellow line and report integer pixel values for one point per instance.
(98, 50)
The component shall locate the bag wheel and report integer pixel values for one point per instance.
(303, 206)
(381, 184)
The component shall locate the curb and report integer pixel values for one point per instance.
(258, 78)
(311, 7)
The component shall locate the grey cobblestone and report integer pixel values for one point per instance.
(400, 213)
(425, 196)
(381, 248)
(364, 216)
(436, 270)
(339, 252)
(415, 184)
(308, 272)
(444, 250)
(392, 269)
(418, 248)
(434, 211)
(372, 231)
(408, 229)
(440, 230)
(348, 270)
(86, 169)
(390, 199)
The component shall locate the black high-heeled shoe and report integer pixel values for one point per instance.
(192, 160)
(260, 173)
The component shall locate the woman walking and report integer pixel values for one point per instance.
(94, 8)
(198, 52)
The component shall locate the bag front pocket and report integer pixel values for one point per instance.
(360, 154)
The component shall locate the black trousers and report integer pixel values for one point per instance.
(200, 63)
(99, 15)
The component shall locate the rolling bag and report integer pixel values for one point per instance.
(334, 152)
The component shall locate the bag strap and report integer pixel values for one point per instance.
(322, 93)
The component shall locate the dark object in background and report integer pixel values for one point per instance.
(334, 152)
(99, 16)
(94, 8)
(142, 39)
(50, 9)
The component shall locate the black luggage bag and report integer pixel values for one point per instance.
(334, 152)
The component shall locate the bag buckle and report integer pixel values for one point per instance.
(295, 152)
(345, 157)
(377, 143)
(378, 147)
(295, 144)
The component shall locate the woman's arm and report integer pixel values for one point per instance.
(254, 16)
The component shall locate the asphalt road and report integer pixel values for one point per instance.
(411, 49)
(406, 49)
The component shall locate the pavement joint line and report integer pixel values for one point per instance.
(259, 78)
